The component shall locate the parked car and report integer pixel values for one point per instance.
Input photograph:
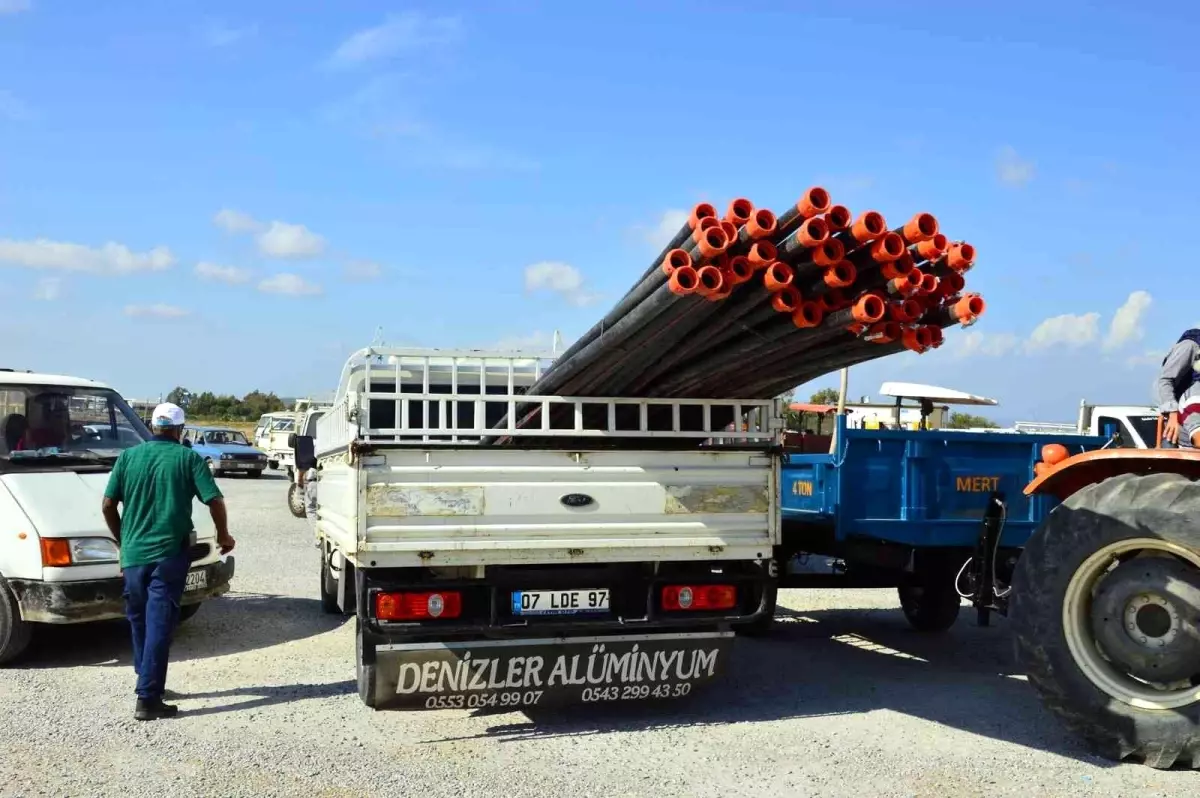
(226, 451)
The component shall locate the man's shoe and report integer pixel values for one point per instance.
(154, 710)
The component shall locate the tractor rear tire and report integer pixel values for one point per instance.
(1079, 630)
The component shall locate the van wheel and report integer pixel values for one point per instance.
(764, 625)
(187, 611)
(296, 500)
(15, 633)
(329, 604)
(931, 607)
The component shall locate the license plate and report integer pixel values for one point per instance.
(196, 580)
(559, 602)
(242, 465)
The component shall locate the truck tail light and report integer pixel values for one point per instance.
(418, 606)
(56, 552)
(699, 597)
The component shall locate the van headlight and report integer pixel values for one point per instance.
(92, 551)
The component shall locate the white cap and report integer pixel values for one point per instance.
(167, 415)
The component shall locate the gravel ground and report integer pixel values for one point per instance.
(844, 700)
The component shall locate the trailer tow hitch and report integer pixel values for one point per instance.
(985, 592)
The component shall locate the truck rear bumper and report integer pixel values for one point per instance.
(102, 599)
(519, 674)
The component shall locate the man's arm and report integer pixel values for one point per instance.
(1178, 362)
(114, 493)
(208, 492)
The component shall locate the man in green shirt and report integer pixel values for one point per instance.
(155, 483)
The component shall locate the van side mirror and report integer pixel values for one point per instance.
(292, 441)
(305, 448)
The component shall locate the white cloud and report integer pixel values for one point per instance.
(111, 258)
(1069, 330)
(13, 108)
(537, 341)
(1126, 324)
(670, 223)
(975, 342)
(289, 285)
(399, 34)
(156, 311)
(14, 6)
(48, 289)
(283, 240)
(1150, 357)
(222, 274)
(218, 35)
(1012, 169)
(560, 278)
(232, 221)
(362, 270)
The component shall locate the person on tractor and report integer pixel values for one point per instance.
(1177, 392)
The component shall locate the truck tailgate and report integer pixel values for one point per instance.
(478, 506)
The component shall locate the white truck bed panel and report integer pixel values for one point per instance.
(499, 505)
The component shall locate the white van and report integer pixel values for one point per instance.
(59, 438)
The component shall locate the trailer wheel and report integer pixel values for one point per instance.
(188, 611)
(296, 500)
(1106, 616)
(329, 603)
(365, 673)
(15, 633)
(930, 605)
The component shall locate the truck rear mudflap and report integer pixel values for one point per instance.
(536, 672)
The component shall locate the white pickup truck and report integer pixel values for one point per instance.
(1134, 426)
(603, 554)
(59, 437)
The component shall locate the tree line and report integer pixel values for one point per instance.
(225, 407)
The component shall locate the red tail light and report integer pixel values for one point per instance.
(418, 606)
(699, 597)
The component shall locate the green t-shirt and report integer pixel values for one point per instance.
(156, 482)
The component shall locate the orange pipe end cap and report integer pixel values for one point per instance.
(703, 210)
(814, 201)
(675, 259)
(739, 211)
(960, 256)
(778, 276)
(762, 253)
(869, 308)
(786, 300)
(887, 248)
(684, 281)
(840, 275)
(921, 227)
(710, 280)
(809, 314)
(838, 217)
(829, 252)
(812, 232)
(869, 226)
(762, 224)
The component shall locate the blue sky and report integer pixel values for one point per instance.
(232, 196)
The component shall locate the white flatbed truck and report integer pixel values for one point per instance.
(604, 553)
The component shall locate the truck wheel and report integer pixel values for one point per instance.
(329, 604)
(255, 474)
(930, 606)
(365, 673)
(187, 611)
(764, 625)
(15, 633)
(296, 500)
(1106, 614)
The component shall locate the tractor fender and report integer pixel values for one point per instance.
(1065, 478)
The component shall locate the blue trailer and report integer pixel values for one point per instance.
(938, 514)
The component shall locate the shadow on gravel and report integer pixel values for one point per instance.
(233, 623)
(267, 696)
(838, 662)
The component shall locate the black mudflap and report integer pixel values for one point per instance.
(545, 672)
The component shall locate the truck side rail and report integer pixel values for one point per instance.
(413, 396)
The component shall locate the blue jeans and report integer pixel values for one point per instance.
(152, 596)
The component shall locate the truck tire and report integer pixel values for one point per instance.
(296, 500)
(329, 603)
(1104, 613)
(15, 633)
(931, 606)
(187, 611)
(766, 624)
(365, 673)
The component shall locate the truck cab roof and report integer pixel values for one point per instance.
(13, 377)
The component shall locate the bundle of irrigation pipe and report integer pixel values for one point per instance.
(751, 304)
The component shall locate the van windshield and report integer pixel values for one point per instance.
(57, 423)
